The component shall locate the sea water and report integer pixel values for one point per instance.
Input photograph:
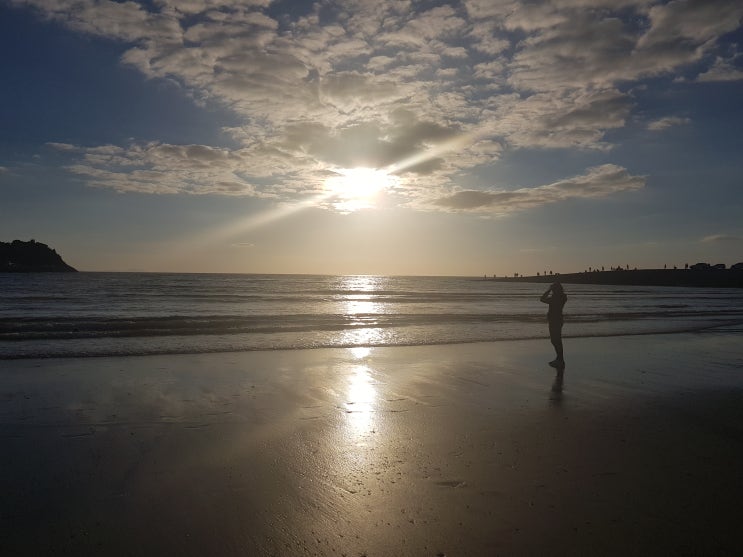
(46, 315)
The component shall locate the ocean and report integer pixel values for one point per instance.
(45, 315)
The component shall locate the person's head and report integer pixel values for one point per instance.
(557, 287)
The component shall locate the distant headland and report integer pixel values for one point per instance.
(700, 274)
(31, 257)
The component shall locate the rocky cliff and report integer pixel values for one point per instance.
(31, 256)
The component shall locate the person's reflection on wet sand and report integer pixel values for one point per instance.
(557, 387)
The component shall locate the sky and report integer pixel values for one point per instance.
(373, 137)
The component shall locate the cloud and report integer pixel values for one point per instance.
(372, 83)
(164, 169)
(721, 239)
(64, 147)
(293, 155)
(559, 120)
(595, 48)
(722, 70)
(600, 181)
(349, 90)
(667, 122)
(691, 21)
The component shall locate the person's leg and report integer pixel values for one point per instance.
(556, 339)
(558, 347)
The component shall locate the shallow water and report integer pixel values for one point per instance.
(93, 314)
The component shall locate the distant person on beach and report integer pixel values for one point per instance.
(555, 297)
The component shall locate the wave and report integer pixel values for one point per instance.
(125, 350)
(182, 325)
(62, 327)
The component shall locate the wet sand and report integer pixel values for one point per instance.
(477, 449)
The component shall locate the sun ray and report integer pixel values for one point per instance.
(455, 144)
(348, 190)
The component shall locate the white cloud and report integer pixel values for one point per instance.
(487, 38)
(696, 21)
(667, 122)
(163, 169)
(379, 63)
(600, 181)
(574, 118)
(722, 70)
(128, 21)
(593, 48)
(64, 147)
(721, 239)
(349, 90)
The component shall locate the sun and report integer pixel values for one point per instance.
(352, 189)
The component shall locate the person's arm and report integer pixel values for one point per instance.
(546, 296)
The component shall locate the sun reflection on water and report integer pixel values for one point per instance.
(362, 283)
(360, 352)
(362, 337)
(361, 307)
(361, 401)
(361, 394)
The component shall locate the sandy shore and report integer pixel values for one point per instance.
(474, 449)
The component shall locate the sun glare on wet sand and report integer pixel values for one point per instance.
(353, 189)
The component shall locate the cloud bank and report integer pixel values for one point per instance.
(358, 83)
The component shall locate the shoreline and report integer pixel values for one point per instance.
(469, 449)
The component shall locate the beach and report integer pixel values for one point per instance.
(469, 449)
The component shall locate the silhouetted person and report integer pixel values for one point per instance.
(555, 297)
